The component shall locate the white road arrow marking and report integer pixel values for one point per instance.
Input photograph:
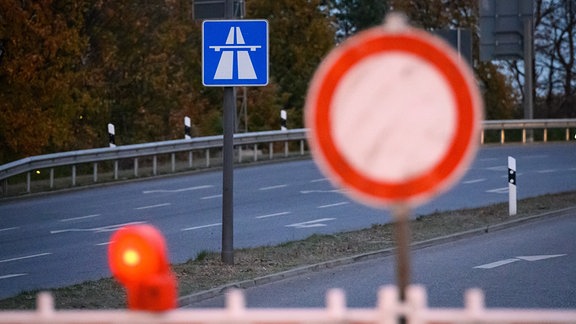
(312, 223)
(539, 257)
(516, 259)
(496, 264)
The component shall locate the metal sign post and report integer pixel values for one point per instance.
(234, 54)
(402, 234)
(228, 165)
(529, 72)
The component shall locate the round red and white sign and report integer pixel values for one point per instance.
(393, 116)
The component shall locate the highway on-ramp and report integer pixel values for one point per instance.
(528, 266)
(60, 239)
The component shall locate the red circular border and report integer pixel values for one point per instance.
(466, 115)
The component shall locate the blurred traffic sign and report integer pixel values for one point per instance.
(502, 31)
(216, 9)
(235, 53)
(394, 115)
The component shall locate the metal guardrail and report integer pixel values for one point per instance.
(153, 150)
(525, 125)
(254, 140)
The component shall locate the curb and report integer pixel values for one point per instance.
(187, 300)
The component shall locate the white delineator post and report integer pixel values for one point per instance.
(511, 186)
(283, 117)
(111, 135)
(187, 128)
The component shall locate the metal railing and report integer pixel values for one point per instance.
(389, 310)
(250, 147)
(526, 125)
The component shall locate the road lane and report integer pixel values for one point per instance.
(535, 269)
(295, 189)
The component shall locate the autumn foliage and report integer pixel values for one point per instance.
(70, 67)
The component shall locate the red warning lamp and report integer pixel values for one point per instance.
(137, 259)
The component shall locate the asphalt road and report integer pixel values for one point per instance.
(528, 266)
(60, 239)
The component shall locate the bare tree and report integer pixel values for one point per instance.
(555, 59)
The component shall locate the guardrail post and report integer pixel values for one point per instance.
(173, 156)
(567, 134)
(545, 135)
(28, 182)
(190, 161)
(73, 175)
(285, 149)
(207, 158)
(301, 147)
(154, 165)
(482, 137)
(255, 152)
(95, 171)
(136, 167)
(51, 178)
(524, 135)
(116, 170)
(502, 136)
(271, 150)
(240, 154)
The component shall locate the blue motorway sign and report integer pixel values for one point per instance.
(235, 53)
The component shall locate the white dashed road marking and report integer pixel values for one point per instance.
(25, 257)
(8, 229)
(274, 187)
(211, 197)
(473, 181)
(272, 215)
(153, 206)
(200, 227)
(78, 218)
(334, 205)
(14, 275)
(177, 190)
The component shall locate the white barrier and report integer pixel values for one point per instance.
(388, 310)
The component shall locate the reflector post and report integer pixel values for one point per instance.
(138, 260)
